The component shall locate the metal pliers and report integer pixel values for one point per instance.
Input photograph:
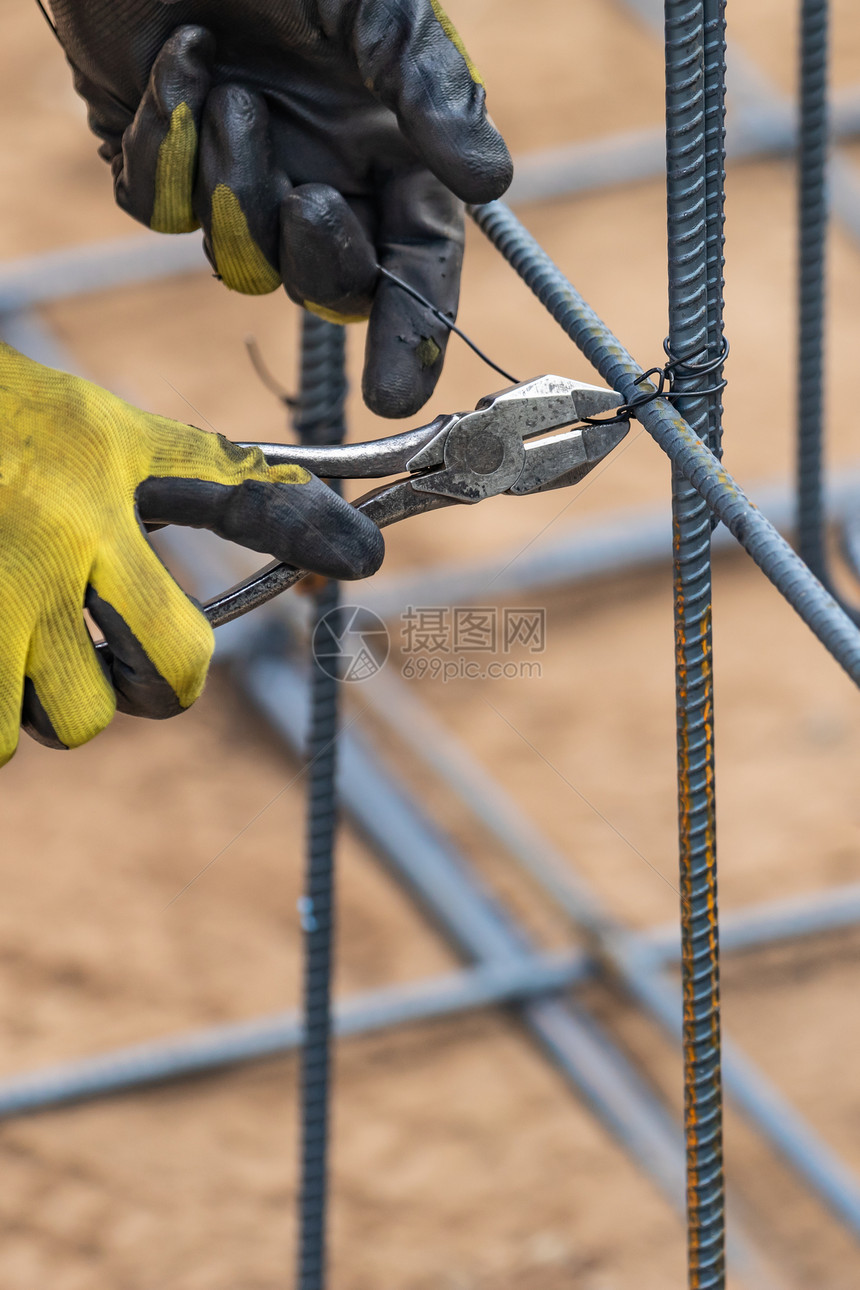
(461, 458)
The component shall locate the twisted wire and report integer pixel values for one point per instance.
(694, 245)
(812, 250)
(319, 419)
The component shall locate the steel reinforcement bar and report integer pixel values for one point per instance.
(213, 1048)
(319, 419)
(812, 230)
(723, 495)
(695, 149)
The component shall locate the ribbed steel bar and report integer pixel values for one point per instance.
(724, 496)
(770, 922)
(695, 300)
(320, 419)
(811, 268)
(715, 199)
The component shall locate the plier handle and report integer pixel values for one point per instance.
(460, 458)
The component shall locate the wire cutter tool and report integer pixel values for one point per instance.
(461, 458)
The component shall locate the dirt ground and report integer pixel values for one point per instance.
(461, 1160)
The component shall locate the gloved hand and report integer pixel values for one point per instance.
(79, 470)
(311, 139)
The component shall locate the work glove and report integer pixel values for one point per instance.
(79, 472)
(314, 140)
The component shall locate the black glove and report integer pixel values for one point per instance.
(313, 140)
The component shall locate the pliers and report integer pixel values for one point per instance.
(460, 458)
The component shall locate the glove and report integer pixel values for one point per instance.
(313, 140)
(80, 470)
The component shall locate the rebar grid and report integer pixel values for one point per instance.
(695, 316)
(319, 419)
(723, 496)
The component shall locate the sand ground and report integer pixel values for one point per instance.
(461, 1161)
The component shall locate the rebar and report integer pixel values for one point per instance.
(811, 269)
(715, 201)
(695, 318)
(723, 495)
(211, 1049)
(319, 419)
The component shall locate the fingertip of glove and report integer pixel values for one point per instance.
(140, 689)
(36, 722)
(363, 556)
(486, 170)
(326, 535)
(394, 400)
(192, 39)
(356, 560)
(465, 150)
(398, 379)
(327, 260)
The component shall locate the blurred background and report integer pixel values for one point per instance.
(462, 1161)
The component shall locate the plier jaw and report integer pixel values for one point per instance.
(488, 451)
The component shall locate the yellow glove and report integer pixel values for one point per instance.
(79, 470)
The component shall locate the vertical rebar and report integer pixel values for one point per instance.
(811, 267)
(695, 294)
(319, 419)
(715, 190)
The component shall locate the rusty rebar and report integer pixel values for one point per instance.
(694, 207)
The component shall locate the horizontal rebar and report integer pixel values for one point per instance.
(208, 1050)
(636, 156)
(428, 865)
(215, 1048)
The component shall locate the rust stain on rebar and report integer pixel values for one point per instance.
(696, 797)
